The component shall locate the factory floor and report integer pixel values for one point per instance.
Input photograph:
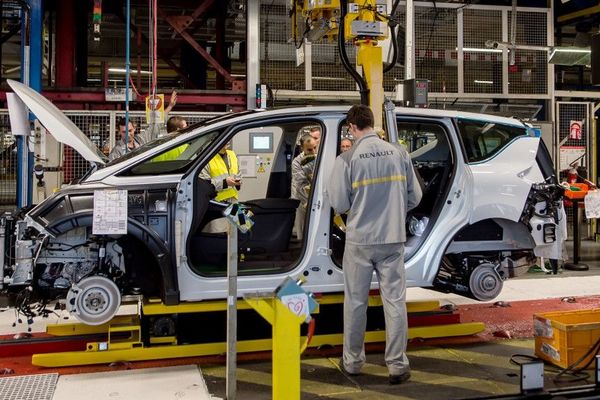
(458, 368)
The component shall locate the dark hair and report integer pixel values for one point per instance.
(121, 122)
(361, 116)
(174, 123)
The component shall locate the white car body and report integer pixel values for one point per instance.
(489, 218)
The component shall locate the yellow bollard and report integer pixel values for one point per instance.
(286, 345)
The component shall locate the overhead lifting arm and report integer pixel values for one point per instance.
(364, 23)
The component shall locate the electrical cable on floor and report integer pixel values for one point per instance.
(571, 373)
(576, 376)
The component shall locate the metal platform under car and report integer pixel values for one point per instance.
(197, 329)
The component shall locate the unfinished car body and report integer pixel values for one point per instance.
(490, 207)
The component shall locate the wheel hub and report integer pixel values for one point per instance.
(485, 283)
(94, 300)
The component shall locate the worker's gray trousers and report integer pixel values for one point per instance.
(387, 260)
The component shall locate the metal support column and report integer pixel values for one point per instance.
(35, 72)
(286, 345)
(232, 272)
(505, 55)
(460, 43)
(409, 56)
(307, 65)
(31, 74)
(22, 170)
(252, 51)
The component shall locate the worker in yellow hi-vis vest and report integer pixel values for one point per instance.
(224, 174)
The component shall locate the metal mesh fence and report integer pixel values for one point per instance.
(573, 111)
(522, 111)
(277, 53)
(529, 75)
(436, 42)
(96, 125)
(328, 73)
(437, 31)
(532, 28)
(8, 164)
(482, 66)
(570, 148)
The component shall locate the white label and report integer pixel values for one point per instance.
(117, 94)
(550, 351)
(543, 328)
(571, 154)
(297, 303)
(300, 55)
(110, 212)
(592, 204)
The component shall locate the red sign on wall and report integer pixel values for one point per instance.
(575, 129)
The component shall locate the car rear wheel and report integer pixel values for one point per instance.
(485, 283)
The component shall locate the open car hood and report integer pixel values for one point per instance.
(57, 123)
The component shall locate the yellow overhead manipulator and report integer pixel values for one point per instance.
(365, 23)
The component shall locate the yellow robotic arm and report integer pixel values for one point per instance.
(365, 23)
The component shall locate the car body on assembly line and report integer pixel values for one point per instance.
(491, 205)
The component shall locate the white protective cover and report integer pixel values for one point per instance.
(61, 127)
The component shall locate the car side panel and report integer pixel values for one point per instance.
(502, 183)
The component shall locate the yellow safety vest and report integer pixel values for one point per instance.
(218, 170)
(172, 154)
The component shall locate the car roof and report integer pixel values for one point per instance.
(405, 111)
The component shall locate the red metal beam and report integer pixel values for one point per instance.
(201, 9)
(220, 47)
(65, 35)
(180, 23)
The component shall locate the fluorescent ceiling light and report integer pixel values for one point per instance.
(327, 78)
(100, 80)
(484, 82)
(570, 56)
(571, 50)
(477, 50)
(132, 71)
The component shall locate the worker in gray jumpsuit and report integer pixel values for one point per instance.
(133, 140)
(301, 179)
(375, 184)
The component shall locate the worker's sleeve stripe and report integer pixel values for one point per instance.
(375, 181)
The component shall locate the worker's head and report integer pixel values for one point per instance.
(315, 133)
(345, 145)
(224, 149)
(308, 144)
(131, 133)
(176, 123)
(359, 118)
